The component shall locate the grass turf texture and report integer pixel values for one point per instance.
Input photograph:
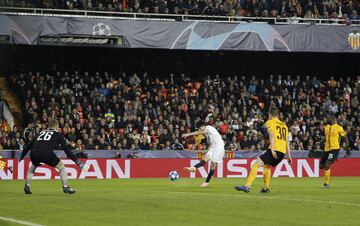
(292, 201)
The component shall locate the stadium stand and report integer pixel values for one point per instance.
(142, 111)
(344, 9)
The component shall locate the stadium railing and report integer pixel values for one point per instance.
(171, 17)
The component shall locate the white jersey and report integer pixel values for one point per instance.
(214, 136)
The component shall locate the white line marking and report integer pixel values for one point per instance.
(19, 222)
(275, 198)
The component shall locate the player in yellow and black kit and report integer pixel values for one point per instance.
(333, 134)
(279, 146)
(3, 165)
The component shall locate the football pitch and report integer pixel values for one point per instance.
(292, 201)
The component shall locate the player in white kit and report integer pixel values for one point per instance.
(216, 149)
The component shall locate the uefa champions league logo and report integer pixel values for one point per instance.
(101, 29)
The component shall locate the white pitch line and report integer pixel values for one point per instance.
(275, 198)
(19, 221)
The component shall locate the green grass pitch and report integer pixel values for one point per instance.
(292, 201)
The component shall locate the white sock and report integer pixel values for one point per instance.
(30, 174)
(63, 176)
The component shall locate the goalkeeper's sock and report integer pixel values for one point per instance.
(327, 176)
(63, 175)
(252, 175)
(211, 173)
(30, 174)
(200, 164)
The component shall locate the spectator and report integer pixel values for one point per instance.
(164, 137)
(228, 6)
(90, 144)
(209, 10)
(220, 11)
(354, 17)
(309, 14)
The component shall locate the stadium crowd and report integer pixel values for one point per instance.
(346, 9)
(143, 112)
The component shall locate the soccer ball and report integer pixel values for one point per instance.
(173, 175)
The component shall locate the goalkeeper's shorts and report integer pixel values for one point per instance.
(48, 158)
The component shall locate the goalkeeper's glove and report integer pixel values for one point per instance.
(82, 166)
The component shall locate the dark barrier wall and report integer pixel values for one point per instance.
(189, 35)
(160, 62)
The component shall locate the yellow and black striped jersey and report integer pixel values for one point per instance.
(280, 131)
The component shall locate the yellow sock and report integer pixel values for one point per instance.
(267, 175)
(252, 175)
(327, 176)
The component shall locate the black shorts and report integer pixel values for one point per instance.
(269, 159)
(48, 158)
(329, 156)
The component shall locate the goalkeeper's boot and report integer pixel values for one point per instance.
(264, 190)
(204, 185)
(190, 169)
(242, 188)
(326, 186)
(27, 190)
(68, 190)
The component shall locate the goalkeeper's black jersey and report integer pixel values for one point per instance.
(48, 141)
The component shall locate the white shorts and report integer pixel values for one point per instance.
(215, 154)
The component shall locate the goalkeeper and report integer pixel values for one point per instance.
(42, 151)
